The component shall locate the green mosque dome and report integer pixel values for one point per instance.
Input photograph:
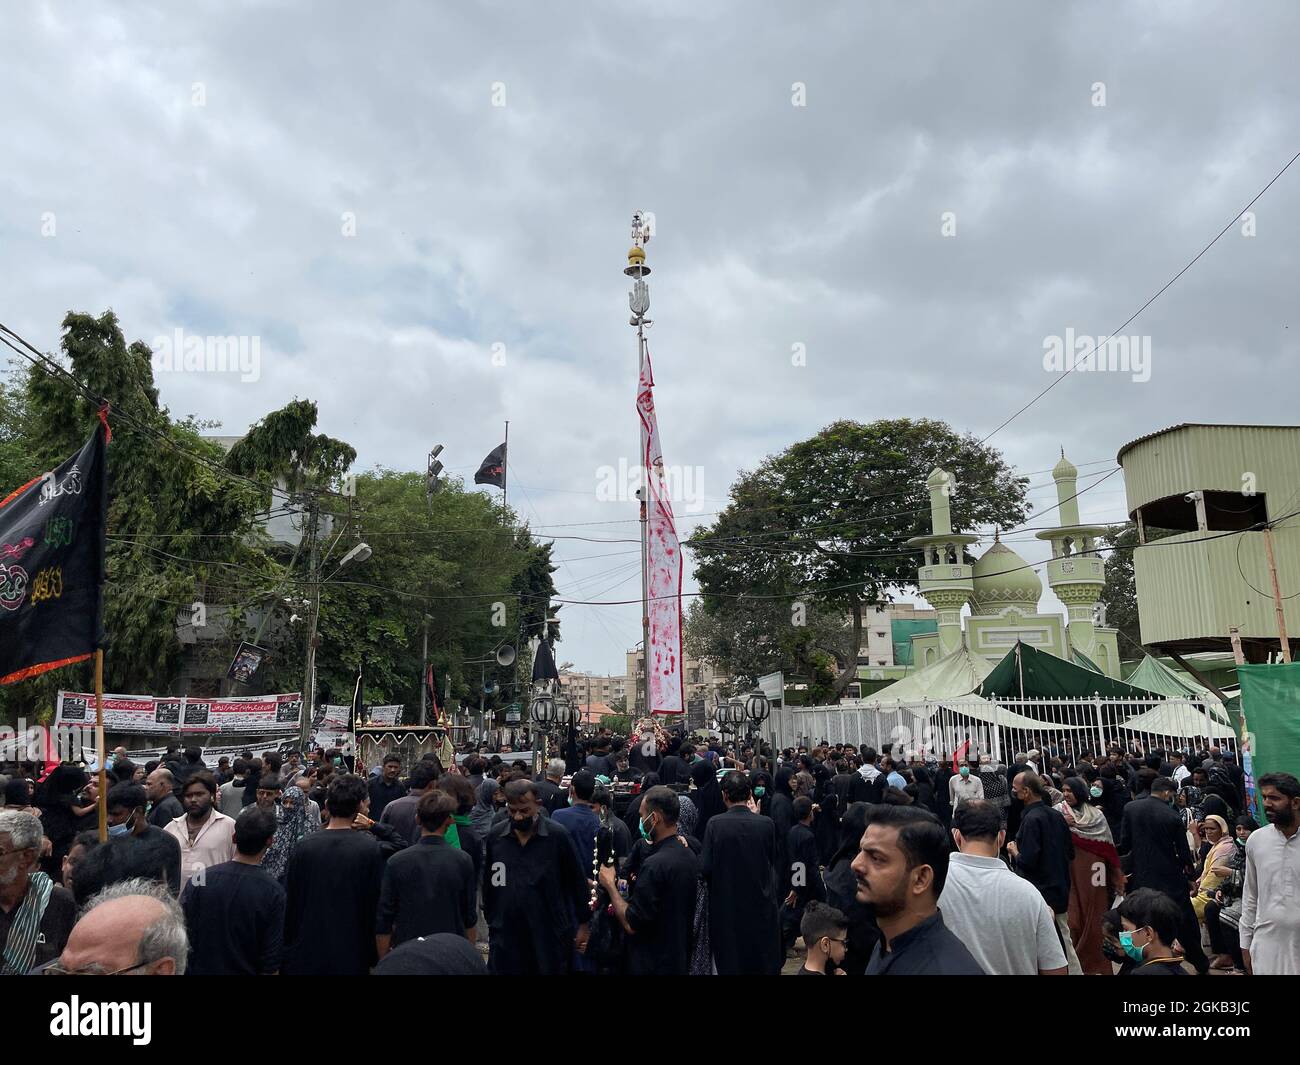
(1002, 578)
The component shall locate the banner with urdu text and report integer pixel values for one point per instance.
(148, 714)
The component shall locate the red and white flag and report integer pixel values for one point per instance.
(663, 562)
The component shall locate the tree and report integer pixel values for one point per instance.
(1119, 596)
(449, 558)
(824, 523)
(619, 705)
(746, 638)
(178, 529)
(185, 531)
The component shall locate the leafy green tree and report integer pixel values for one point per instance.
(823, 524)
(449, 559)
(186, 530)
(178, 529)
(1119, 596)
(746, 638)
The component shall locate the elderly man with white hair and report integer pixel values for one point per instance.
(36, 914)
(131, 928)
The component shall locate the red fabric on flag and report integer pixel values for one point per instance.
(663, 652)
(957, 755)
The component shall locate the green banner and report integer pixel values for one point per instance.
(1270, 711)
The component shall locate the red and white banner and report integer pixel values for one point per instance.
(663, 564)
(147, 714)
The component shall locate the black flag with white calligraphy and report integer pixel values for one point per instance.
(52, 564)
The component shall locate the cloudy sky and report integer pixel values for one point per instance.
(422, 212)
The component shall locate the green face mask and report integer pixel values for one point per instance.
(1126, 941)
(645, 832)
(760, 791)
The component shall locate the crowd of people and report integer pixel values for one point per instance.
(664, 855)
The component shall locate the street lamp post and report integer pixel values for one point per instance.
(360, 553)
(757, 710)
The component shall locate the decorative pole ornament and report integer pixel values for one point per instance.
(639, 298)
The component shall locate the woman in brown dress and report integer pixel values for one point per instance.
(1095, 873)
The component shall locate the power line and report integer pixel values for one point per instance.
(1231, 222)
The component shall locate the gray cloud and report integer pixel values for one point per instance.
(478, 225)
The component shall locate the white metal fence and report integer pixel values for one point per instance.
(1003, 728)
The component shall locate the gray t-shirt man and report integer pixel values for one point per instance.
(1002, 919)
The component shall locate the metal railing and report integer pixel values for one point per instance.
(1008, 726)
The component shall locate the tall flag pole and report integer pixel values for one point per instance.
(661, 552)
(52, 576)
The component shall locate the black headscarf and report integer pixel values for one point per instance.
(782, 782)
(763, 779)
(633, 815)
(852, 826)
(707, 796)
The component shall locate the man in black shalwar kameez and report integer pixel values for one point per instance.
(332, 890)
(739, 863)
(535, 896)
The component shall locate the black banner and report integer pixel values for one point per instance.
(52, 565)
(544, 663)
(493, 470)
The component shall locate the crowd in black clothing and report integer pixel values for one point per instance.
(721, 861)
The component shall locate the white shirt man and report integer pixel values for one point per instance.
(1002, 920)
(1270, 897)
(964, 786)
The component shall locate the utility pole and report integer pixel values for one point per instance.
(309, 680)
(424, 669)
(1277, 595)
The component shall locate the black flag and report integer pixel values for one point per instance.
(52, 565)
(544, 663)
(493, 470)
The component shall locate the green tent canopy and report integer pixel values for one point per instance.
(1081, 659)
(952, 676)
(1033, 674)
